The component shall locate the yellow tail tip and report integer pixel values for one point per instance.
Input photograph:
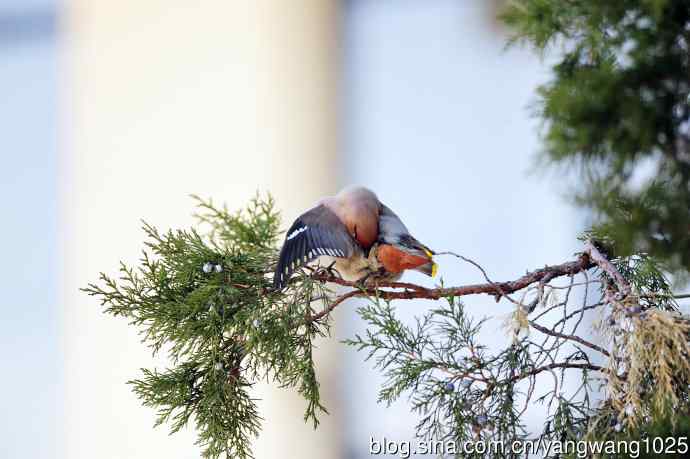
(434, 269)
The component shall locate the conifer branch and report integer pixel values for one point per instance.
(206, 299)
(554, 366)
(411, 291)
(600, 260)
(577, 339)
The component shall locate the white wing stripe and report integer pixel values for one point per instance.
(297, 232)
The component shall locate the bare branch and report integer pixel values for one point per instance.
(600, 260)
(411, 291)
(553, 366)
(575, 338)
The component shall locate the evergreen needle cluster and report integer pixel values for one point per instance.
(617, 107)
(206, 301)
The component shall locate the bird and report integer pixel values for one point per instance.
(357, 236)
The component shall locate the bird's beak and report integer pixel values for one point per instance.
(430, 253)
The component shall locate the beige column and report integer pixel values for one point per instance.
(165, 98)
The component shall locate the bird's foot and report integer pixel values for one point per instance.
(328, 271)
(364, 282)
(372, 278)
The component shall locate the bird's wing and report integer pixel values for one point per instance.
(316, 232)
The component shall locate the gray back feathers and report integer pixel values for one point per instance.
(391, 228)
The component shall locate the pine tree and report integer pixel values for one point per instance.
(618, 98)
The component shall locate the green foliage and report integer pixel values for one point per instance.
(207, 303)
(462, 392)
(457, 388)
(661, 437)
(619, 98)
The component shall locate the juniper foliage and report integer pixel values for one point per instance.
(207, 303)
(463, 392)
(442, 368)
(617, 108)
(203, 297)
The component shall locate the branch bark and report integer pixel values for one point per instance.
(406, 291)
(590, 257)
(553, 366)
(600, 260)
(575, 338)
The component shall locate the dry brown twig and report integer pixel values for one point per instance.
(589, 258)
(615, 294)
(613, 361)
(407, 291)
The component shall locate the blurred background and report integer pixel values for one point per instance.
(114, 111)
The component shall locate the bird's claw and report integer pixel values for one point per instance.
(329, 271)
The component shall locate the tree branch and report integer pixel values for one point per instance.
(548, 331)
(600, 260)
(553, 366)
(411, 291)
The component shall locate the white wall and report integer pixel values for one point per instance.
(168, 98)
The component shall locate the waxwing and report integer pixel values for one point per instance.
(356, 234)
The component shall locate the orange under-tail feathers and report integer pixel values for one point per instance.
(395, 260)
